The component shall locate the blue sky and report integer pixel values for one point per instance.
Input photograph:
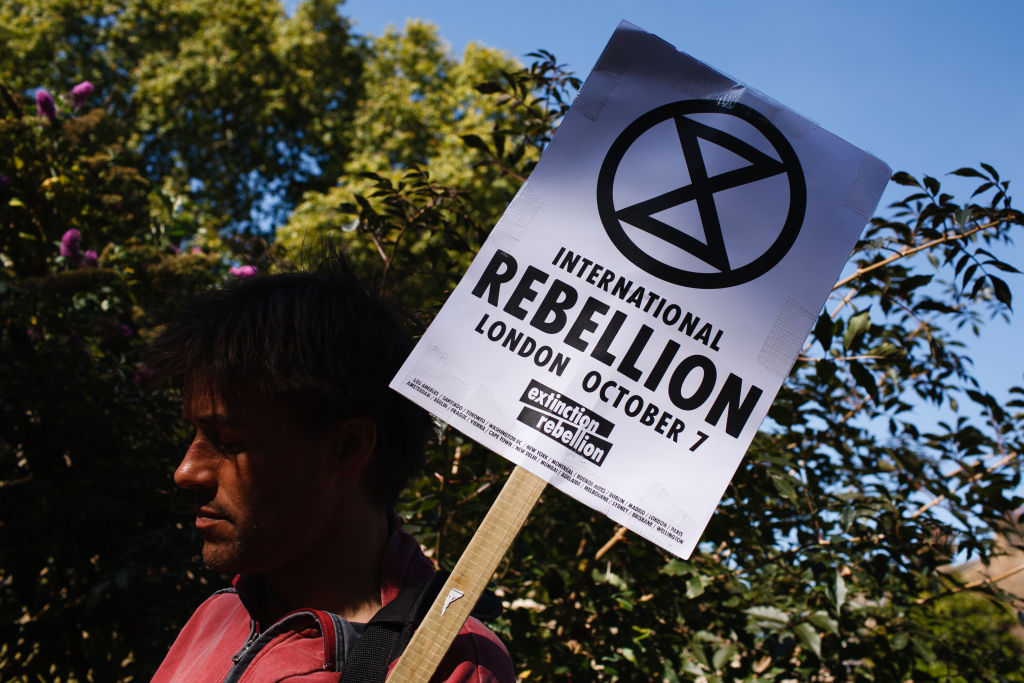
(926, 86)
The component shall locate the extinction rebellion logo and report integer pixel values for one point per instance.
(658, 184)
(567, 422)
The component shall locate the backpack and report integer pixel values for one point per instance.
(391, 629)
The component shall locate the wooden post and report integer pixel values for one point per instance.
(469, 578)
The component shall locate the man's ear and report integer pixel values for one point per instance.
(356, 439)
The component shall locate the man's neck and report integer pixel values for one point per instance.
(343, 577)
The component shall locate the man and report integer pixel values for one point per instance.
(300, 452)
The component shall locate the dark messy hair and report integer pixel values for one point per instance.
(317, 341)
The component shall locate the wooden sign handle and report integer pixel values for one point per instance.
(474, 569)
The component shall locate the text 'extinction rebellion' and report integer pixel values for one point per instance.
(567, 422)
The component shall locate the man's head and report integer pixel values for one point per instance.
(290, 371)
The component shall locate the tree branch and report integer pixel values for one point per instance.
(620, 534)
(909, 252)
(938, 499)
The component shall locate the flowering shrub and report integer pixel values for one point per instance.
(242, 271)
(87, 446)
(80, 93)
(45, 106)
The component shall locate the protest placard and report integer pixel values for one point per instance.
(627, 323)
(629, 320)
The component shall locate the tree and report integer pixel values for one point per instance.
(231, 105)
(435, 158)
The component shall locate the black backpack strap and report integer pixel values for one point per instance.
(391, 629)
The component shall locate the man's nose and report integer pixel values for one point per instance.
(196, 469)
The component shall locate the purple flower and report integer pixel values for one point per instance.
(90, 258)
(5, 182)
(243, 271)
(197, 250)
(80, 93)
(32, 334)
(125, 331)
(45, 105)
(69, 246)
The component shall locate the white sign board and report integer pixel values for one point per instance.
(628, 322)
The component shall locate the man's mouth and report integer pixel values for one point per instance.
(207, 517)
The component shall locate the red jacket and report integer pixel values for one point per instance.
(223, 642)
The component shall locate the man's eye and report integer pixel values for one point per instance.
(221, 445)
(229, 447)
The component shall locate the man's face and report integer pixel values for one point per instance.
(262, 483)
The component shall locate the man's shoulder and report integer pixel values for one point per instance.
(204, 647)
(218, 612)
(477, 654)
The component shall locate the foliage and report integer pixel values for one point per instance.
(422, 110)
(822, 563)
(93, 547)
(228, 104)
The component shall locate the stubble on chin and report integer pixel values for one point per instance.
(224, 557)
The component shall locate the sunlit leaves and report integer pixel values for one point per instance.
(881, 460)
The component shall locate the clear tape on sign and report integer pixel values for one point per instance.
(520, 212)
(865, 187)
(433, 373)
(602, 81)
(786, 338)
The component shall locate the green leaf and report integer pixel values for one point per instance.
(808, 637)
(695, 586)
(1005, 267)
(967, 172)
(904, 178)
(963, 260)
(611, 578)
(822, 620)
(899, 640)
(991, 171)
(723, 656)
(677, 567)
(783, 486)
(932, 184)
(840, 591)
(924, 650)
(969, 273)
(475, 141)
(823, 330)
(855, 327)
(981, 188)
(499, 143)
(847, 517)
(1002, 291)
(767, 613)
(887, 350)
(864, 378)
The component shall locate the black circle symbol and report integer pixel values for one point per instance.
(702, 190)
